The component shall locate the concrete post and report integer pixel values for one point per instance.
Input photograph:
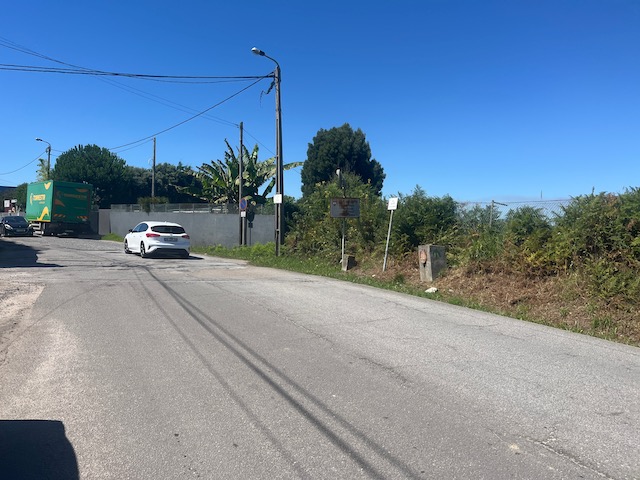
(432, 261)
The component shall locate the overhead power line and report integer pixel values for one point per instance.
(142, 76)
(190, 118)
(72, 69)
(24, 166)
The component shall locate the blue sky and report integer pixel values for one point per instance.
(479, 99)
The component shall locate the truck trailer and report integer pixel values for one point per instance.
(55, 208)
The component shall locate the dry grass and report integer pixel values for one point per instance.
(561, 301)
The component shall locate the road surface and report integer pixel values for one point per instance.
(118, 367)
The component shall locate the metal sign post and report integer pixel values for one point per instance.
(345, 208)
(393, 205)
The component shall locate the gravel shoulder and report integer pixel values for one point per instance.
(18, 297)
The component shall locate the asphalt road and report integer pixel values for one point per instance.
(118, 367)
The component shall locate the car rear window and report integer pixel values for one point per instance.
(168, 229)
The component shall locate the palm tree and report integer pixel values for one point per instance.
(220, 179)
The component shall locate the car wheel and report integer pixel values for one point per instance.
(126, 247)
(143, 251)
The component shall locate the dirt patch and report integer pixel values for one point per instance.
(17, 299)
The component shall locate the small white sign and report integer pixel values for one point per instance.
(277, 198)
(393, 203)
(243, 213)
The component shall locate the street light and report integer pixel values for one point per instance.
(48, 156)
(278, 199)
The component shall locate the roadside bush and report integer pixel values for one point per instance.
(599, 237)
(526, 233)
(603, 226)
(422, 220)
(479, 236)
(314, 232)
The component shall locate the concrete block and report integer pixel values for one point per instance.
(432, 261)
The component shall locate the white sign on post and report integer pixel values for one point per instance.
(393, 205)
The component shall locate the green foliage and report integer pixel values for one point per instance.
(43, 172)
(603, 226)
(97, 166)
(422, 220)
(609, 280)
(146, 202)
(526, 233)
(291, 209)
(479, 236)
(220, 180)
(314, 232)
(527, 223)
(477, 248)
(340, 148)
(112, 237)
(169, 179)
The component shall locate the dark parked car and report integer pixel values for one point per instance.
(15, 226)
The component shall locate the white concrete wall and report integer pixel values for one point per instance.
(205, 229)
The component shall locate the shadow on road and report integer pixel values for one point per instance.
(36, 449)
(13, 255)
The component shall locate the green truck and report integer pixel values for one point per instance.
(55, 208)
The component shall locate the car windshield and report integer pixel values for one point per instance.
(16, 221)
(175, 229)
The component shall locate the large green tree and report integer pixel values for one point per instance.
(340, 148)
(98, 166)
(170, 181)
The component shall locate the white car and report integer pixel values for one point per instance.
(149, 238)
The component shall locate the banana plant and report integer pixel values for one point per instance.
(220, 179)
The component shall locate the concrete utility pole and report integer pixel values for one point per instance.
(153, 171)
(279, 196)
(243, 240)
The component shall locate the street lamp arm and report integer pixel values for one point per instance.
(38, 139)
(41, 140)
(259, 52)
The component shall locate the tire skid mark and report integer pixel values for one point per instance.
(260, 366)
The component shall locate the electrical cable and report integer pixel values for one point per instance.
(190, 79)
(190, 118)
(78, 70)
(24, 166)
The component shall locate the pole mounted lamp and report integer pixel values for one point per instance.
(278, 199)
(48, 156)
